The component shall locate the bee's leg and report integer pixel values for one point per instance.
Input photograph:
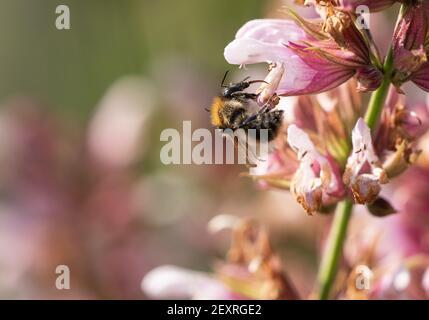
(249, 152)
(244, 95)
(251, 96)
(248, 120)
(271, 103)
(264, 109)
(253, 117)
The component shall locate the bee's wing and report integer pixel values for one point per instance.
(252, 147)
(246, 148)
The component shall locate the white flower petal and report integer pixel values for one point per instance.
(300, 142)
(171, 282)
(276, 31)
(362, 142)
(365, 185)
(314, 181)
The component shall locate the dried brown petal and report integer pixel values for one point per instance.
(365, 188)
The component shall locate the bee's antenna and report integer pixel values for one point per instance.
(223, 80)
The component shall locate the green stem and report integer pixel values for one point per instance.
(337, 234)
(329, 264)
(378, 98)
(334, 246)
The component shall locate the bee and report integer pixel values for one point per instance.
(231, 110)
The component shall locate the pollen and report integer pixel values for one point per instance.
(216, 106)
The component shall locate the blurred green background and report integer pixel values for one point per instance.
(81, 112)
(71, 69)
(81, 182)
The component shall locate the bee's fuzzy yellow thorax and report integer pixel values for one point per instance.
(216, 106)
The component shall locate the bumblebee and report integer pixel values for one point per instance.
(231, 110)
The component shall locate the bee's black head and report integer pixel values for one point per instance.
(229, 90)
(232, 88)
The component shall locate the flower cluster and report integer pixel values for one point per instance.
(308, 57)
(395, 251)
(334, 148)
(325, 63)
(411, 46)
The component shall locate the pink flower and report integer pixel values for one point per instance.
(400, 128)
(308, 160)
(314, 181)
(409, 122)
(265, 40)
(327, 135)
(410, 46)
(363, 172)
(304, 58)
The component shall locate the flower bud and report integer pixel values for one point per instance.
(409, 46)
(369, 78)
